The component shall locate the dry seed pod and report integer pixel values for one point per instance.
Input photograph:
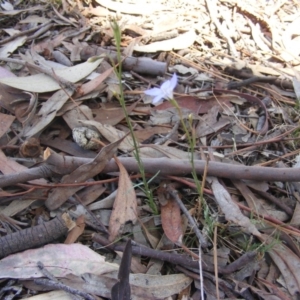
(31, 148)
(83, 137)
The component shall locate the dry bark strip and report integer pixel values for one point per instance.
(35, 236)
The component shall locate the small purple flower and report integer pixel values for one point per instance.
(164, 92)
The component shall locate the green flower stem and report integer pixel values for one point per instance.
(175, 104)
(118, 71)
(192, 143)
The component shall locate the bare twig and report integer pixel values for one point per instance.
(174, 258)
(60, 286)
(174, 193)
(168, 136)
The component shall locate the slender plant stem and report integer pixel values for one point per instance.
(146, 189)
(192, 143)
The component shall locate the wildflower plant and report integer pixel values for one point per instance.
(118, 71)
(166, 92)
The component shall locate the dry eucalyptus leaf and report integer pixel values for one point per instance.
(59, 259)
(143, 286)
(170, 216)
(42, 83)
(287, 262)
(48, 112)
(10, 47)
(125, 205)
(229, 208)
(72, 116)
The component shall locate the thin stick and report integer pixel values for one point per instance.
(216, 262)
(192, 222)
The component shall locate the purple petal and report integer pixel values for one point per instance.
(173, 81)
(153, 92)
(165, 87)
(157, 100)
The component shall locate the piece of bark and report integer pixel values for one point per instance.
(141, 65)
(35, 236)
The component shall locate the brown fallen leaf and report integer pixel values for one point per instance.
(210, 122)
(93, 84)
(8, 94)
(112, 116)
(144, 134)
(170, 216)
(196, 104)
(76, 231)
(111, 134)
(72, 116)
(125, 205)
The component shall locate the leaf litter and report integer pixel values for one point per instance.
(237, 72)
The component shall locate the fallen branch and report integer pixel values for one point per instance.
(141, 65)
(62, 165)
(174, 258)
